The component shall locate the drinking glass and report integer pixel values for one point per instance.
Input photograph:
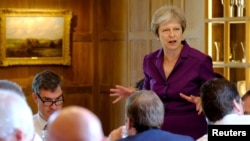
(240, 7)
(219, 51)
(243, 51)
(233, 48)
(231, 8)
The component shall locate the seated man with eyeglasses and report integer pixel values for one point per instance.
(47, 93)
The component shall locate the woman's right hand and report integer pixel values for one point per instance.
(121, 92)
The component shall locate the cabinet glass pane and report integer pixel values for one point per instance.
(216, 10)
(237, 75)
(216, 38)
(219, 70)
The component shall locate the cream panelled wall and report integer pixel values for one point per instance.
(194, 33)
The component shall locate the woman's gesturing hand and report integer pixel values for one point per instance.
(194, 99)
(121, 92)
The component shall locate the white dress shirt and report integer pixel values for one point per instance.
(234, 119)
(39, 123)
(37, 138)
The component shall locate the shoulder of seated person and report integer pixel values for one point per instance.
(115, 134)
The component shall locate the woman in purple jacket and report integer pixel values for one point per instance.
(176, 73)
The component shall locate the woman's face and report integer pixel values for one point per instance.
(170, 35)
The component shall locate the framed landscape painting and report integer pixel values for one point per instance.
(35, 37)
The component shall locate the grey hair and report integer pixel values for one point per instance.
(16, 115)
(166, 14)
(145, 110)
(11, 85)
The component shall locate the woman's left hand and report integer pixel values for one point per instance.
(194, 99)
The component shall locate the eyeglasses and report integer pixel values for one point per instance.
(51, 102)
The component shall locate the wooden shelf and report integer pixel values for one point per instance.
(229, 33)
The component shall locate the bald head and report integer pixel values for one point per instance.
(74, 123)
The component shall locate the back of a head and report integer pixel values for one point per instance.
(219, 75)
(217, 97)
(74, 123)
(10, 85)
(15, 115)
(247, 94)
(246, 102)
(145, 110)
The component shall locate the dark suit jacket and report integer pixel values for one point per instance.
(157, 135)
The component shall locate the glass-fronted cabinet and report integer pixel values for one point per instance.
(227, 34)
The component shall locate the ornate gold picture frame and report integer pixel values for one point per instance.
(35, 37)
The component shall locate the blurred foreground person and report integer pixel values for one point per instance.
(16, 120)
(17, 89)
(10, 85)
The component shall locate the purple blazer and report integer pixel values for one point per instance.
(191, 70)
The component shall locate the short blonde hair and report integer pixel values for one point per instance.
(166, 14)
